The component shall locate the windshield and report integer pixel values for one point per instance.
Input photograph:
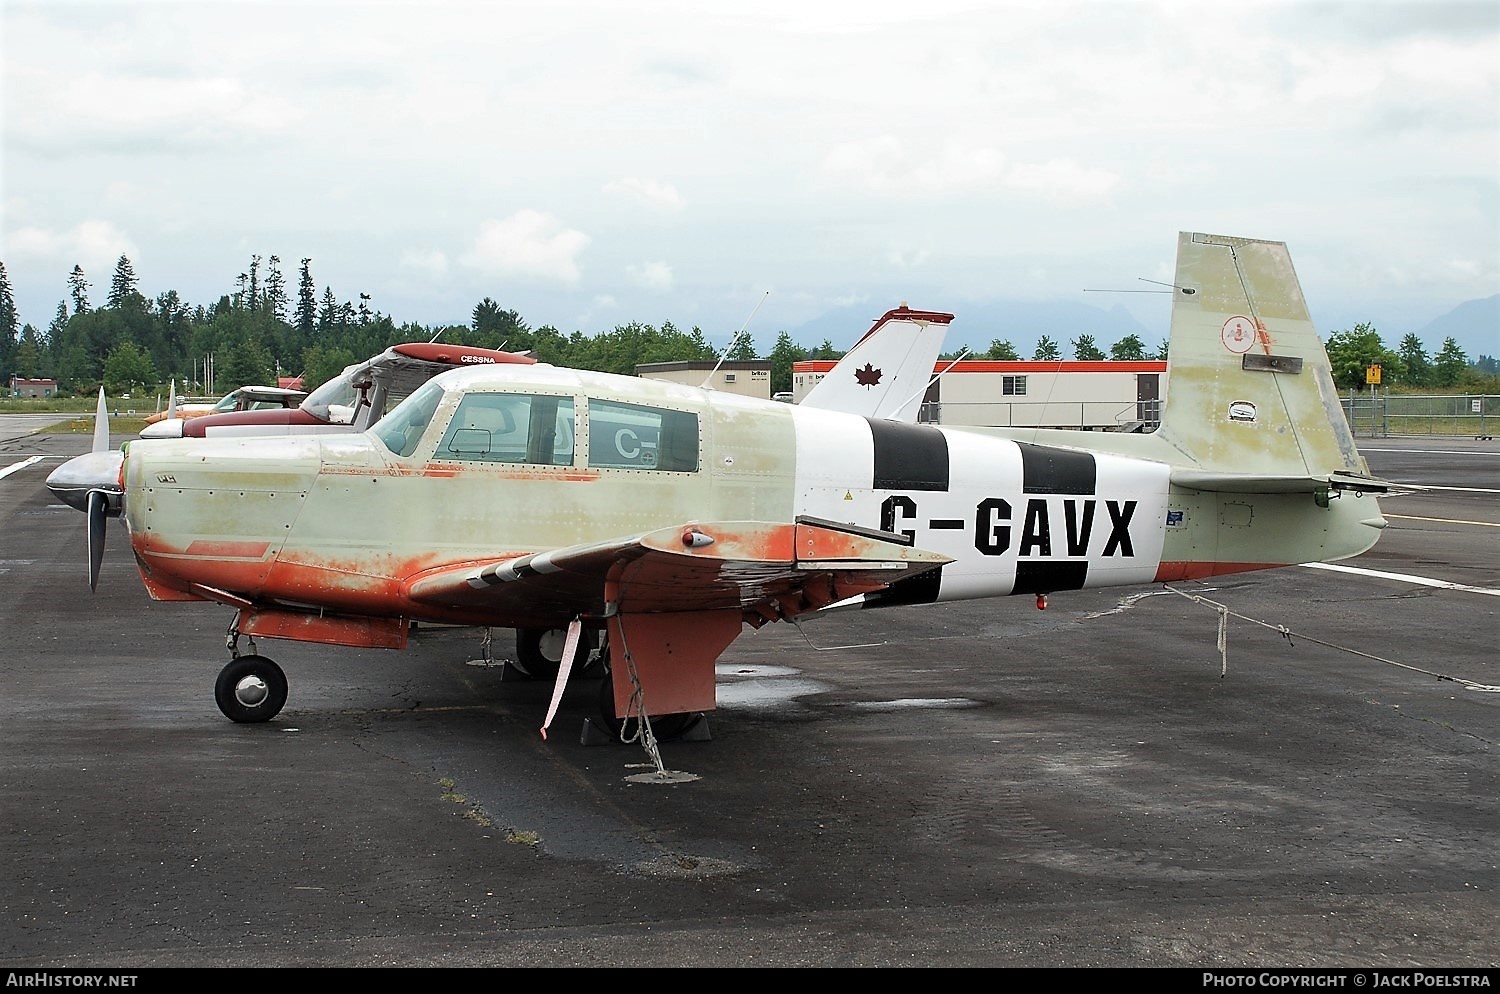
(402, 429)
(339, 391)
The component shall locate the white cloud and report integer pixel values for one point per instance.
(886, 166)
(648, 192)
(652, 275)
(528, 244)
(1063, 181)
(94, 245)
(430, 262)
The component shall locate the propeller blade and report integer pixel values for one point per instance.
(98, 506)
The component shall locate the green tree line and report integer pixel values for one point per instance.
(263, 329)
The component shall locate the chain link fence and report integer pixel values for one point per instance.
(1377, 415)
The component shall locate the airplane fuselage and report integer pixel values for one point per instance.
(345, 523)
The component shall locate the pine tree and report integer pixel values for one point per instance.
(328, 313)
(123, 285)
(1419, 370)
(1085, 349)
(1002, 350)
(1046, 350)
(79, 287)
(9, 323)
(1128, 349)
(275, 288)
(307, 302)
(1449, 364)
(253, 300)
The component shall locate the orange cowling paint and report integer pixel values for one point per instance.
(1167, 572)
(325, 629)
(672, 655)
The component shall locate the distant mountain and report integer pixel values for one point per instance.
(1021, 322)
(1474, 325)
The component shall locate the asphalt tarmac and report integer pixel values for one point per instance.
(968, 785)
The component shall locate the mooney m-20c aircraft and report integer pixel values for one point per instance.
(670, 518)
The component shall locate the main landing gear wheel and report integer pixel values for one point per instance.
(539, 652)
(250, 689)
(666, 727)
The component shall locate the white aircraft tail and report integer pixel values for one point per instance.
(101, 425)
(886, 374)
(1250, 394)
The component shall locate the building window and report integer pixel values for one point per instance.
(1013, 386)
(728, 377)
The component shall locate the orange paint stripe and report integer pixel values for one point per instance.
(1197, 570)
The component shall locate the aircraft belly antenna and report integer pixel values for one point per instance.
(728, 348)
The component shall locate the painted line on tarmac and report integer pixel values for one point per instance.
(1435, 452)
(1423, 581)
(16, 467)
(1446, 521)
(1420, 487)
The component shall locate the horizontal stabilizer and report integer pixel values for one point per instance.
(1255, 483)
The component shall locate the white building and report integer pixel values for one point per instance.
(1107, 395)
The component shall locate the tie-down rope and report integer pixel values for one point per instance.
(1225, 614)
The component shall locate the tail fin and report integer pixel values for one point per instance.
(101, 425)
(1250, 393)
(886, 373)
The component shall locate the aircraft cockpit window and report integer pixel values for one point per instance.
(631, 436)
(339, 392)
(401, 430)
(536, 429)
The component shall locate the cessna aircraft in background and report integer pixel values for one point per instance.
(351, 401)
(240, 399)
(669, 518)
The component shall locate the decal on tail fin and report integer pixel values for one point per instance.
(886, 374)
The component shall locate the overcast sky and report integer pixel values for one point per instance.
(591, 163)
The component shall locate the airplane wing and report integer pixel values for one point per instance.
(767, 570)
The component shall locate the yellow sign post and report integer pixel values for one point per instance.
(1372, 374)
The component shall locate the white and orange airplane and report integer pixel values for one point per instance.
(668, 519)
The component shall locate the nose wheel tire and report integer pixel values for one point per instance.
(250, 689)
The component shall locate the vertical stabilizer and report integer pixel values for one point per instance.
(1249, 388)
(101, 425)
(885, 375)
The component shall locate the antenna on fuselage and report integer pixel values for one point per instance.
(730, 347)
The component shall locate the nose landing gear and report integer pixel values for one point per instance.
(250, 689)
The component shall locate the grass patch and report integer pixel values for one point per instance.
(85, 426)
